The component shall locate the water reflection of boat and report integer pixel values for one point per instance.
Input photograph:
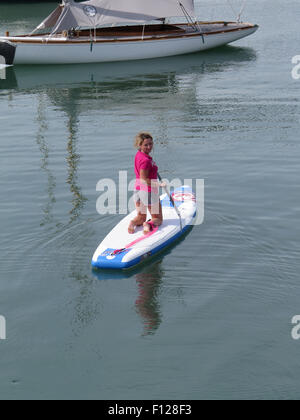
(72, 158)
(73, 90)
(128, 75)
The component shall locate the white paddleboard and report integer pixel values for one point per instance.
(121, 250)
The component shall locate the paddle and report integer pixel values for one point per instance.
(172, 201)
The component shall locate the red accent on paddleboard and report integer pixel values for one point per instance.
(184, 197)
(142, 238)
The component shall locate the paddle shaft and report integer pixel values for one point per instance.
(172, 201)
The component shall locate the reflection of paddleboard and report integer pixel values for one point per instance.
(120, 250)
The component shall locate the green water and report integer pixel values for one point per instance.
(211, 318)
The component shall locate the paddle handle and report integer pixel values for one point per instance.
(172, 201)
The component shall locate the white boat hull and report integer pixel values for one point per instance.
(62, 51)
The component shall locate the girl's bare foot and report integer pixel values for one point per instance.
(147, 228)
(131, 228)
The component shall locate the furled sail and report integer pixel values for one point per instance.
(95, 13)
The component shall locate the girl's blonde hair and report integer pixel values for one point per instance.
(139, 139)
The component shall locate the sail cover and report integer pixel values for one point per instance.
(95, 13)
(52, 19)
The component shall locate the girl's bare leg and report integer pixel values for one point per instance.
(157, 219)
(140, 218)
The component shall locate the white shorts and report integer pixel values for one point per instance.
(146, 198)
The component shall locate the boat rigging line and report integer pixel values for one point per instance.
(195, 25)
(242, 11)
(239, 15)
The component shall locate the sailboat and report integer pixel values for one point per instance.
(98, 31)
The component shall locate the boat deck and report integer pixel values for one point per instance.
(134, 33)
(150, 31)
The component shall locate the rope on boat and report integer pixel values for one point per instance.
(195, 25)
(242, 11)
(239, 15)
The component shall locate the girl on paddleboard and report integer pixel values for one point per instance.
(146, 195)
